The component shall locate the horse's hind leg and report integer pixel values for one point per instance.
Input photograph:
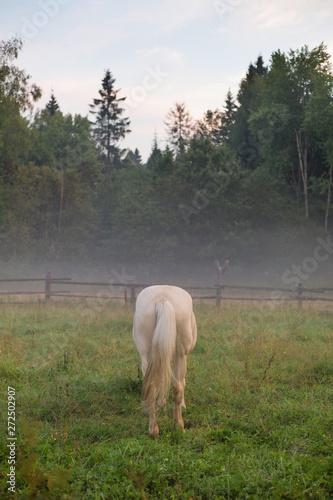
(178, 390)
(153, 427)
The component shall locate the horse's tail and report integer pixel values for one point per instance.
(156, 384)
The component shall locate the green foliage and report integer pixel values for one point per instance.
(140, 213)
(30, 222)
(282, 123)
(132, 159)
(31, 202)
(14, 138)
(154, 157)
(319, 114)
(235, 184)
(211, 126)
(249, 97)
(63, 142)
(14, 83)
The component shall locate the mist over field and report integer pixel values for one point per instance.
(282, 265)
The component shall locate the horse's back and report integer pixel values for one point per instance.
(179, 298)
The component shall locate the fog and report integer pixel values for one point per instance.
(269, 261)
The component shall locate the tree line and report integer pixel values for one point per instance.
(247, 177)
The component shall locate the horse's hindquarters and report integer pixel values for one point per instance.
(164, 332)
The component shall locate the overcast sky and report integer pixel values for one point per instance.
(159, 51)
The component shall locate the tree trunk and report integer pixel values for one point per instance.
(296, 181)
(109, 131)
(61, 196)
(302, 150)
(328, 196)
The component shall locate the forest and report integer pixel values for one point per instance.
(251, 180)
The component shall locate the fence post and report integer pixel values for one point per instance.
(220, 272)
(48, 286)
(300, 296)
(133, 296)
(218, 295)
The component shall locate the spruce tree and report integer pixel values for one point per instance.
(179, 127)
(228, 116)
(52, 105)
(109, 126)
(210, 126)
(155, 155)
(249, 97)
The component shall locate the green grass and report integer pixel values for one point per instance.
(259, 395)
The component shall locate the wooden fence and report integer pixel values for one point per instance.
(218, 293)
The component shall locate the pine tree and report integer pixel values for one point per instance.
(133, 158)
(179, 127)
(228, 117)
(249, 97)
(137, 157)
(260, 69)
(210, 126)
(109, 127)
(155, 155)
(52, 105)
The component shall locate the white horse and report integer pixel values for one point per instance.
(164, 332)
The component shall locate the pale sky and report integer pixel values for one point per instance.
(159, 51)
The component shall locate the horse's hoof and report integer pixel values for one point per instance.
(154, 432)
(153, 435)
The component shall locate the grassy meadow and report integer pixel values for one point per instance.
(259, 395)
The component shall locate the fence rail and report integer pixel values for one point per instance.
(299, 294)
